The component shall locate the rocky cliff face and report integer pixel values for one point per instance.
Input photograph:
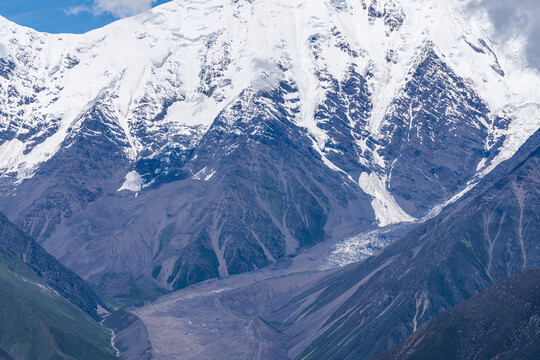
(365, 308)
(502, 322)
(51, 271)
(47, 310)
(204, 139)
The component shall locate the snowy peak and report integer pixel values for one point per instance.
(206, 138)
(197, 55)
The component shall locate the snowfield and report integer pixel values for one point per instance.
(189, 59)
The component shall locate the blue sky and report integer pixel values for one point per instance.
(70, 16)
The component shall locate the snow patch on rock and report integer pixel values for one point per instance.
(387, 210)
(526, 121)
(3, 51)
(10, 153)
(134, 182)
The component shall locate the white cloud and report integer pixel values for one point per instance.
(117, 8)
(515, 18)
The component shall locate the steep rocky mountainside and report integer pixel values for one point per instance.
(209, 138)
(130, 336)
(301, 307)
(503, 322)
(365, 308)
(51, 271)
(40, 316)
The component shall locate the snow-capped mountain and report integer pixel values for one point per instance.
(207, 138)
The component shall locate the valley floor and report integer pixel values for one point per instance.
(225, 318)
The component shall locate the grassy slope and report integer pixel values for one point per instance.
(63, 280)
(37, 323)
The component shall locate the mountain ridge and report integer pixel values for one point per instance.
(47, 311)
(186, 97)
(63, 280)
(372, 305)
(484, 326)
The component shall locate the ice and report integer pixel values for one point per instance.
(160, 56)
(133, 183)
(387, 210)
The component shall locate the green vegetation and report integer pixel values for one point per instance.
(130, 290)
(165, 237)
(37, 323)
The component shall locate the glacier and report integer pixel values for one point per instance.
(249, 129)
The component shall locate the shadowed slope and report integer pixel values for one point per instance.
(491, 233)
(503, 322)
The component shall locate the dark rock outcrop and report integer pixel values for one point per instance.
(65, 281)
(503, 322)
(489, 234)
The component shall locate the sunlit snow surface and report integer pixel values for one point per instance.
(387, 211)
(134, 182)
(198, 55)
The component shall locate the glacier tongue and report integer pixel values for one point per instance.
(212, 137)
